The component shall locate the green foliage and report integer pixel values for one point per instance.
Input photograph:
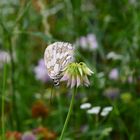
(27, 27)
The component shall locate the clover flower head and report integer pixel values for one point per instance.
(76, 74)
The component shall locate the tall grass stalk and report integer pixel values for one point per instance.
(69, 114)
(8, 39)
(3, 98)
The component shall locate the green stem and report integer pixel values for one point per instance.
(8, 38)
(60, 110)
(3, 98)
(69, 113)
(14, 100)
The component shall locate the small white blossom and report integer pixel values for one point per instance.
(94, 110)
(106, 111)
(114, 56)
(108, 108)
(85, 105)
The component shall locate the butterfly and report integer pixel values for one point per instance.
(56, 57)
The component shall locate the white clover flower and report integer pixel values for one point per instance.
(94, 110)
(85, 105)
(106, 111)
(108, 108)
(114, 56)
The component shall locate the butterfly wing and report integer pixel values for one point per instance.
(57, 56)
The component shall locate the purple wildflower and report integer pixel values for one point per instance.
(28, 136)
(111, 93)
(83, 42)
(92, 41)
(114, 74)
(41, 72)
(88, 42)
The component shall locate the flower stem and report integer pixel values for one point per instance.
(8, 38)
(2, 106)
(69, 113)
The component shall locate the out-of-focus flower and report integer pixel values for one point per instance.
(126, 97)
(92, 41)
(4, 58)
(83, 42)
(111, 93)
(130, 79)
(76, 74)
(85, 105)
(88, 42)
(13, 135)
(108, 108)
(45, 133)
(114, 74)
(94, 110)
(39, 109)
(114, 56)
(106, 111)
(28, 136)
(41, 72)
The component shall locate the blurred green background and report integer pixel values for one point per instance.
(105, 34)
